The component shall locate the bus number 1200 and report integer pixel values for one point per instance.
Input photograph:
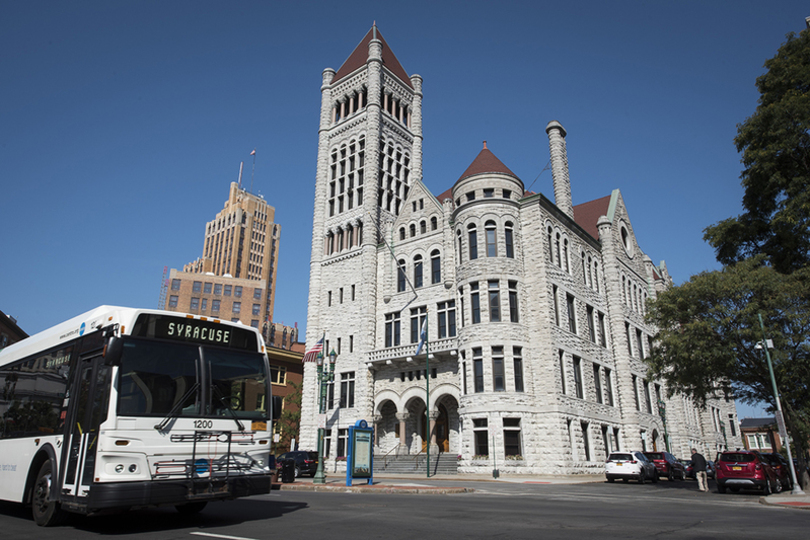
(203, 424)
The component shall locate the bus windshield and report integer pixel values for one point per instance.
(155, 377)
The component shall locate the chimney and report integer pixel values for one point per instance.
(559, 167)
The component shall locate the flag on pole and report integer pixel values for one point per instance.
(312, 354)
(253, 153)
(422, 338)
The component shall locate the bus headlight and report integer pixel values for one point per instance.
(119, 468)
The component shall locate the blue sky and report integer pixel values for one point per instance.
(123, 123)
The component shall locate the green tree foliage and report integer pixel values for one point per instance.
(775, 144)
(290, 420)
(709, 329)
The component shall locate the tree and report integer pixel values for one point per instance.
(290, 420)
(775, 142)
(709, 329)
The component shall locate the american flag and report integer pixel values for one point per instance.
(312, 354)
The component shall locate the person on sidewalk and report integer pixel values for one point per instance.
(699, 466)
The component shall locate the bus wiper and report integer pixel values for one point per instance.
(174, 410)
(222, 400)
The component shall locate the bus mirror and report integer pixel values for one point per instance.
(276, 412)
(113, 351)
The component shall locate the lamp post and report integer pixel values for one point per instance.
(324, 376)
(766, 344)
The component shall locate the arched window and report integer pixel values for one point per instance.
(565, 255)
(473, 234)
(557, 250)
(550, 245)
(417, 271)
(400, 275)
(413, 230)
(435, 267)
(434, 223)
(596, 275)
(460, 246)
(422, 227)
(402, 233)
(508, 242)
(492, 249)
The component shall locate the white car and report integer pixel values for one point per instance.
(632, 465)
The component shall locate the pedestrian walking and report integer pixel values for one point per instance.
(699, 466)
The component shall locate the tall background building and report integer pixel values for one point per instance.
(235, 278)
(534, 308)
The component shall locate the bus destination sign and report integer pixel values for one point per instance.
(194, 331)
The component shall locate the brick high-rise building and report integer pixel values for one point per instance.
(235, 277)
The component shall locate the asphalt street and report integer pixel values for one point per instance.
(494, 510)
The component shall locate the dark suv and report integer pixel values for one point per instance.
(666, 465)
(743, 469)
(305, 462)
(782, 470)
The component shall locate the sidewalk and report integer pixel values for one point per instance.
(787, 500)
(384, 483)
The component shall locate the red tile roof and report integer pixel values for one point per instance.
(486, 162)
(359, 56)
(587, 214)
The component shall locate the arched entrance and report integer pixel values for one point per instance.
(440, 430)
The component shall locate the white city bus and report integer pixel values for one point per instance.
(121, 408)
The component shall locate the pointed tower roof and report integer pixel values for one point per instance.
(359, 57)
(486, 162)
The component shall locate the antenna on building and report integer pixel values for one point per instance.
(254, 169)
(241, 163)
(164, 285)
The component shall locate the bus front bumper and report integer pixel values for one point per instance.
(104, 496)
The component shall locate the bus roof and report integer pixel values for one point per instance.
(89, 322)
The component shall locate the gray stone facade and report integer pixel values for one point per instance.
(534, 309)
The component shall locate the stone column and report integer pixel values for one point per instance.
(377, 420)
(433, 416)
(403, 447)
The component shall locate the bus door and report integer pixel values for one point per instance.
(88, 409)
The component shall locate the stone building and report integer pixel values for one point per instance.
(534, 309)
(235, 279)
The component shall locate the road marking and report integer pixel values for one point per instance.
(225, 536)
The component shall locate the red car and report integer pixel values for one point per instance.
(666, 465)
(744, 469)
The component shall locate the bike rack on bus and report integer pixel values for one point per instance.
(209, 476)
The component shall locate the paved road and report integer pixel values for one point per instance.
(496, 510)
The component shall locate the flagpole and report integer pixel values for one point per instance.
(427, 390)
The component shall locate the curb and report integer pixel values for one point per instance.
(798, 503)
(380, 488)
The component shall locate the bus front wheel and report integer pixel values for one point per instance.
(45, 511)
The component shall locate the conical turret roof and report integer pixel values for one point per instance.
(359, 57)
(486, 162)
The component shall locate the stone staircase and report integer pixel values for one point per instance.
(444, 463)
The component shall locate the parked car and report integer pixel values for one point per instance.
(744, 469)
(781, 468)
(630, 466)
(305, 462)
(690, 472)
(667, 465)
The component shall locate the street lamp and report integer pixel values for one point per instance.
(766, 344)
(324, 377)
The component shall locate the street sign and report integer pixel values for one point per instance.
(780, 421)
